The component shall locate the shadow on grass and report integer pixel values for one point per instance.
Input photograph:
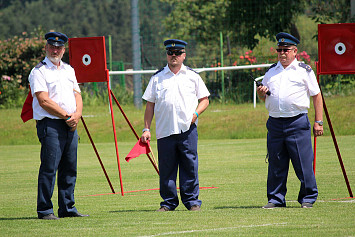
(122, 211)
(249, 207)
(17, 218)
(150, 210)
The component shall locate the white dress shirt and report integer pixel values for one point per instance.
(59, 83)
(290, 88)
(176, 98)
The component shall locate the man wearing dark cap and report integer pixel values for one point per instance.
(291, 84)
(57, 107)
(177, 96)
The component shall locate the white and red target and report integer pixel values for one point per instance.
(336, 48)
(86, 60)
(88, 57)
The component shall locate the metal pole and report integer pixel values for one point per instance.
(110, 51)
(97, 154)
(137, 82)
(114, 131)
(222, 64)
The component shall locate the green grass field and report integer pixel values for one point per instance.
(232, 148)
(217, 122)
(236, 168)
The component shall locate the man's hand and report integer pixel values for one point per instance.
(73, 120)
(146, 137)
(261, 90)
(317, 130)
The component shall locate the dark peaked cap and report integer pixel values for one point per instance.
(56, 38)
(285, 39)
(174, 43)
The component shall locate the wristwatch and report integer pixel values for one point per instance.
(320, 122)
(145, 130)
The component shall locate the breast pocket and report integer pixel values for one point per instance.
(273, 85)
(53, 84)
(294, 81)
(187, 88)
(297, 84)
(164, 90)
(68, 84)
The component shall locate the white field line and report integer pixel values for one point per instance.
(339, 200)
(214, 229)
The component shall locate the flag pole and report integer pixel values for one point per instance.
(134, 131)
(151, 151)
(314, 154)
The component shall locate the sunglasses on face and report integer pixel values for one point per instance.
(177, 53)
(285, 50)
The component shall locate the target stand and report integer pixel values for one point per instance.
(336, 48)
(88, 57)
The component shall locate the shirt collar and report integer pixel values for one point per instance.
(50, 64)
(182, 69)
(293, 65)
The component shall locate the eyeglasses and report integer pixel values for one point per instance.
(177, 53)
(285, 50)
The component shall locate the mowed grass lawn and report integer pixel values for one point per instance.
(234, 169)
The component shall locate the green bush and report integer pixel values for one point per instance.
(11, 94)
(18, 56)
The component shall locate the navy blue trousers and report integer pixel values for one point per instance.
(58, 153)
(179, 151)
(290, 139)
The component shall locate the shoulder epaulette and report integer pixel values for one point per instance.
(40, 64)
(273, 65)
(305, 66)
(161, 69)
(189, 68)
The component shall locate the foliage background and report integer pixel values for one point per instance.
(248, 29)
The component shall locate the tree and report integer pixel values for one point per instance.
(84, 18)
(242, 20)
(328, 11)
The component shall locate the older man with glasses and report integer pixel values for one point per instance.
(177, 96)
(291, 84)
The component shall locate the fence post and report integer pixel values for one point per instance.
(137, 81)
(222, 64)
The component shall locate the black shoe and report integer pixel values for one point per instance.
(163, 208)
(48, 217)
(72, 214)
(307, 205)
(195, 208)
(272, 206)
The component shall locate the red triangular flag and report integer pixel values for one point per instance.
(27, 112)
(138, 149)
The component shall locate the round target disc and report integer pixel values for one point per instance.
(340, 48)
(86, 59)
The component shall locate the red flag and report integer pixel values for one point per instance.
(138, 149)
(27, 112)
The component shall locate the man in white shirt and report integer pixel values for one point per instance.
(291, 84)
(57, 107)
(177, 96)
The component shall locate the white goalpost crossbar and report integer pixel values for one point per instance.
(199, 70)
